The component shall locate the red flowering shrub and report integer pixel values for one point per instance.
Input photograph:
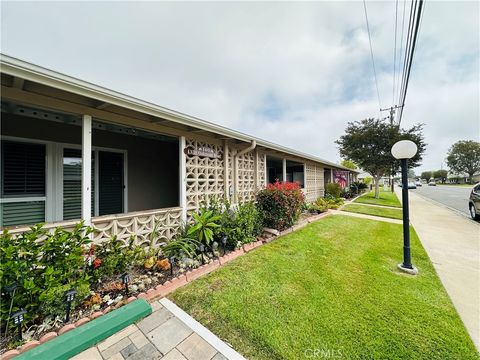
(96, 263)
(280, 204)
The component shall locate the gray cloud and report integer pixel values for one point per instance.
(293, 73)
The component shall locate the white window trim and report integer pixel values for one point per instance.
(54, 176)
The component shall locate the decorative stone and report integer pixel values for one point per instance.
(66, 328)
(82, 321)
(96, 314)
(10, 354)
(131, 298)
(48, 336)
(29, 345)
(133, 288)
(413, 271)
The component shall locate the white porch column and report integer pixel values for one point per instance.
(266, 169)
(87, 169)
(284, 170)
(182, 158)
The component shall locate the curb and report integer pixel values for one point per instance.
(74, 340)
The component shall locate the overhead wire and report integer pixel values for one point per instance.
(371, 54)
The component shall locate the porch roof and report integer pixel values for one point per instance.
(20, 69)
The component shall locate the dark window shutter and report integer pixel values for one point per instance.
(23, 169)
(110, 183)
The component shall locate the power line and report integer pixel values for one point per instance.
(371, 53)
(401, 46)
(395, 52)
(413, 43)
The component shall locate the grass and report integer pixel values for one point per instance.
(376, 211)
(332, 287)
(387, 198)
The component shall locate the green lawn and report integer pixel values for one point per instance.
(387, 198)
(332, 287)
(376, 211)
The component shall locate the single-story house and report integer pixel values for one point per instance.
(71, 150)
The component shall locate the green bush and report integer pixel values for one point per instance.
(241, 224)
(40, 266)
(333, 190)
(319, 206)
(334, 203)
(280, 204)
(112, 257)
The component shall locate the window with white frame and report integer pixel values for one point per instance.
(23, 183)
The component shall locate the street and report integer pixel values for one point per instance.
(451, 196)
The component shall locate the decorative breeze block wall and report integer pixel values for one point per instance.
(140, 225)
(314, 183)
(246, 176)
(204, 176)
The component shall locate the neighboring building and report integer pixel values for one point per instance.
(72, 150)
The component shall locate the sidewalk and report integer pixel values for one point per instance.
(452, 242)
(168, 334)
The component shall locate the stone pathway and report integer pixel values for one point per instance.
(168, 334)
(365, 216)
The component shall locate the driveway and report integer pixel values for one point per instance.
(451, 196)
(452, 243)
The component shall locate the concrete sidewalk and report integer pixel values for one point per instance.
(452, 242)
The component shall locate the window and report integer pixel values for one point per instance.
(23, 183)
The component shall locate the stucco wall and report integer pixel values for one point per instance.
(153, 169)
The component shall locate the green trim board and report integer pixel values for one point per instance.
(75, 341)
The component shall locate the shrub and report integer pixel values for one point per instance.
(280, 204)
(112, 257)
(319, 206)
(333, 190)
(41, 266)
(241, 224)
(334, 203)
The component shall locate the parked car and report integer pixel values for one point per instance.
(411, 185)
(432, 183)
(418, 183)
(474, 202)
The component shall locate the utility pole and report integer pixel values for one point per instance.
(392, 113)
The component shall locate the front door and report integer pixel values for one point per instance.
(110, 183)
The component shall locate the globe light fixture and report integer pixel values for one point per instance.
(404, 150)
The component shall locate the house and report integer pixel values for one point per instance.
(71, 150)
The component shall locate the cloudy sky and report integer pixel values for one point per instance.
(292, 73)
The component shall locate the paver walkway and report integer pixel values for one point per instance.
(365, 216)
(168, 334)
(452, 242)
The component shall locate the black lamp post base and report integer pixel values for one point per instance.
(411, 271)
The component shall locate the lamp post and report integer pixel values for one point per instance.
(404, 150)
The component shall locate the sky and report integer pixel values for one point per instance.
(292, 73)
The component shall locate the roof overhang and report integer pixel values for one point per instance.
(22, 71)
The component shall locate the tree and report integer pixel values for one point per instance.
(368, 143)
(348, 164)
(463, 157)
(426, 175)
(441, 175)
(411, 174)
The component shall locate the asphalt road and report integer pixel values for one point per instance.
(451, 196)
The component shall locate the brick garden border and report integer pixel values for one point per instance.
(169, 286)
